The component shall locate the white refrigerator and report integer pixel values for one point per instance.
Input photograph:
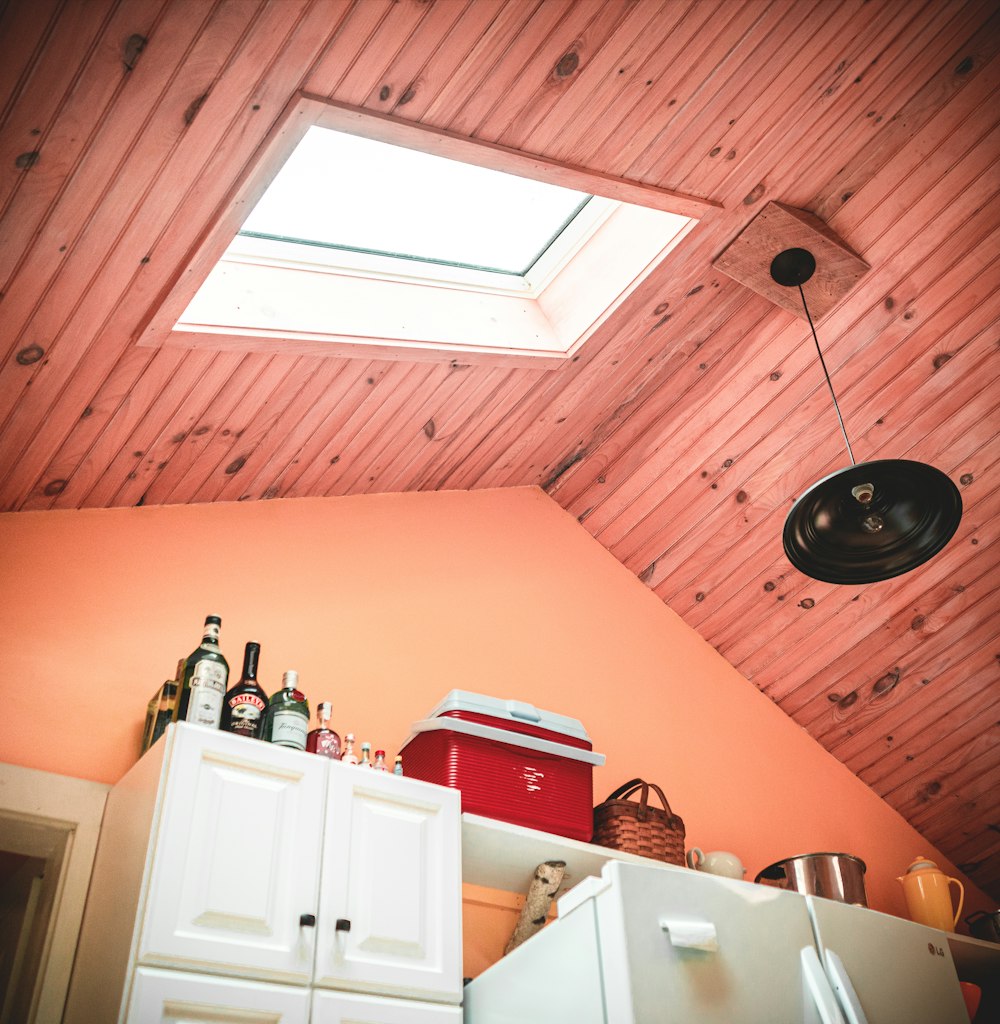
(660, 944)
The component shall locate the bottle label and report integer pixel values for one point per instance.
(327, 743)
(245, 710)
(288, 728)
(208, 688)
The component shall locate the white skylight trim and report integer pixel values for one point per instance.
(246, 293)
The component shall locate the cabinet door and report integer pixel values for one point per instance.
(390, 896)
(175, 997)
(344, 1008)
(235, 859)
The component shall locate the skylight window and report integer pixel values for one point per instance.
(360, 235)
(345, 192)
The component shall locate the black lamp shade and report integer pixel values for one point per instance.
(831, 536)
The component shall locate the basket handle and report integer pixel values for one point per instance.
(625, 791)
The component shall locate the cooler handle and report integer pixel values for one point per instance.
(526, 712)
(514, 739)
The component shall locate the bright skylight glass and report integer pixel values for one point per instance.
(348, 192)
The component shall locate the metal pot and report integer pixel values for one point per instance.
(985, 925)
(835, 876)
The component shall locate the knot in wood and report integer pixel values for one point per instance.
(30, 354)
(568, 63)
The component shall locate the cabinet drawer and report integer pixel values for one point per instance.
(342, 1008)
(176, 997)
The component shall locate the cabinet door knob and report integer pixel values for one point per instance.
(342, 925)
(307, 920)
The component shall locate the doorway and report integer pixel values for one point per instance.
(48, 836)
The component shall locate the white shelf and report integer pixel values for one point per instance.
(498, 855)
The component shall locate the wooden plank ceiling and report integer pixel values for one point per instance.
(684, 429)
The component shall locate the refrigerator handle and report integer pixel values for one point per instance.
(691, 934)
(843, 989)
(818, 986)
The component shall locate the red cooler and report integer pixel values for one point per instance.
(511, 760)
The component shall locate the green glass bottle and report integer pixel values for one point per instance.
(206, 673)
(288, 714)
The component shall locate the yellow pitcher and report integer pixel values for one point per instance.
(928, 898)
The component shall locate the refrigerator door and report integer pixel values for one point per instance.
(884, 969)
(555, 977)
(680, 946)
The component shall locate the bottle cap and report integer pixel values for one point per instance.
(213, 618)
(324, 707)
(290, 679)
(399, 757)
(366, 746)
(349, 737)
(380, 753)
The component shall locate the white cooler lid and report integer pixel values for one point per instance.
(509, 711)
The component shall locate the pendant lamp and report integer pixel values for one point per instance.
(873, 520)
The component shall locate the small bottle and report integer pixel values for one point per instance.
(397, 768)
(206, 673)
(287, 717)
(348, 756)
(366, 760)
(323, 740)
(379, 764)
(244, 705)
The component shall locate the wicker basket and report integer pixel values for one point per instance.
(623, 824)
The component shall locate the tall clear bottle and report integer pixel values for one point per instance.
(288, 714)
(245, 704)
(206, 673)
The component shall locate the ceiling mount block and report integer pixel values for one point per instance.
(747, 259)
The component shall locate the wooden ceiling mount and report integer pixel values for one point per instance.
(777, 227)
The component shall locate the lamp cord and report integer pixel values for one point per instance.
(829, 383)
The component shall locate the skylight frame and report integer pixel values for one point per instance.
(165, 326)
(248, 248)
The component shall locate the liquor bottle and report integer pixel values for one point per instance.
(206, 673)
(147, 730)
(287, 714)
(348, 756)
(366, 761)
(245, 704)
(397, 768)
(379, 764)
(323, 740)
(166, 711)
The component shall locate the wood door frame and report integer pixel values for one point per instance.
(72, 808)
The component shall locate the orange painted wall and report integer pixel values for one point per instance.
(384, 603)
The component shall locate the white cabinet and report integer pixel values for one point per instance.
(222, 857)
(236, 861)
(392, 883)
(176, 997)
(346, 1008)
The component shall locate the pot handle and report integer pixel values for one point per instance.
(961, 900)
